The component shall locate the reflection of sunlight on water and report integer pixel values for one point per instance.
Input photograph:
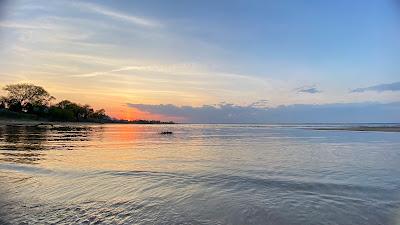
(118, 147)
(251, 174)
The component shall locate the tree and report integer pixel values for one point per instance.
(100, 115)
(27, 97)
(79, 112)
(87, 111)
(58, 114)
(3, 102)
(74, 108)
(64, 104)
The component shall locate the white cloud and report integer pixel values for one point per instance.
(178, 70)
(140, 21)
(24, 25)
(380, 88)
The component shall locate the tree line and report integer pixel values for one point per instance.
(35, 100)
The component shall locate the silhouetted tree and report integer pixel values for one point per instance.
(74, 108)
(64, 104)
(27, 98)
(86, 111)
(33, 102)
(100, 115)
(58, 114)
(78, 112)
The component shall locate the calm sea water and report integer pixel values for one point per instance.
(202, 174)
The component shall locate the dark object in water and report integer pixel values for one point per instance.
(44, 125)
(166, 132)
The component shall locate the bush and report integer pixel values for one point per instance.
(58, 114)
(5, 113)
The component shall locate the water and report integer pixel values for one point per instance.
(202, 174)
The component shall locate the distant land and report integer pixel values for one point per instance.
(395, 128)
(28, 102)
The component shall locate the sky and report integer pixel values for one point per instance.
(210, 61)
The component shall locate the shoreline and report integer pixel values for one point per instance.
(5, 122)
(18, 122)
(361, 128)
(22, 122)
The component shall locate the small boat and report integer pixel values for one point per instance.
(166, 132)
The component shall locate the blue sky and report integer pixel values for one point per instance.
(258, 35)
(195, 53)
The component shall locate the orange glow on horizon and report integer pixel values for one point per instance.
(127, 113)
(114, 107)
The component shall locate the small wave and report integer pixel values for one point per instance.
(25, 169)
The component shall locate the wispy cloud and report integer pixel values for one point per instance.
(308, 89)
(380, 88)
(24, 25)
(176, 70)
(140, 21)
(263, 103)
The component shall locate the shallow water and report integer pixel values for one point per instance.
(202, 174)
